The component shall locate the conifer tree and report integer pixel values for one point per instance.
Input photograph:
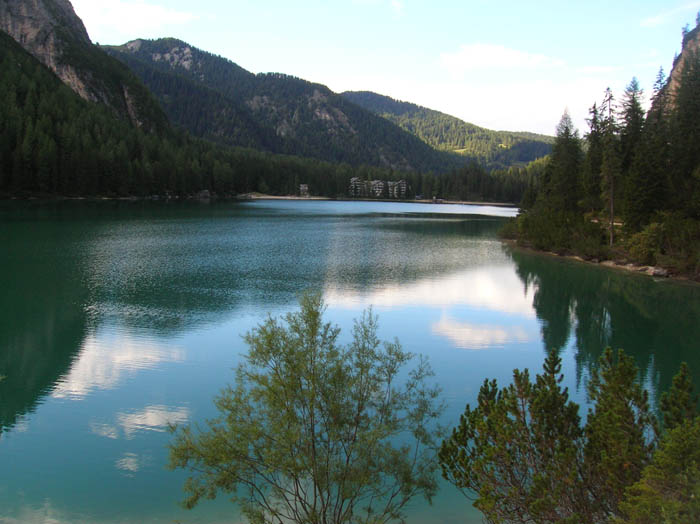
(685, 137)
(646, 188)
(620, 430)
(669, 490)
(611, 165)
(565, 163)
(594, 160)
(517, 450)
(523, 456)
(631, 123)
(679, 404)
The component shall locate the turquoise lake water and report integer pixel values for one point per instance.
(117, 318)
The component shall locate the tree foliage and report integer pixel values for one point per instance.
(620, 431)
(518, 450)
(669, 490)
(214, 98)
(524, 456)
(679, 404)
(496, 149)
(640, 175)
(54, 143)
(311, 431)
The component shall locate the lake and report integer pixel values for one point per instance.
(117, 318)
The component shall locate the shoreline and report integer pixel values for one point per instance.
(656, 272)
(261, 196)
(241, 197)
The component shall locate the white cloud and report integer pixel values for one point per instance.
(480, 56)
(597, 70)
(397, 6)
(129, 19)
(666, 16)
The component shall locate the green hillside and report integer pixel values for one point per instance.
(52, 142)
(447, 133)
(214, 98)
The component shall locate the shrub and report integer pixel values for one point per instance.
(645, 246)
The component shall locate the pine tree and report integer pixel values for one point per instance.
(518, 450)
(566, 158)
(594, 161)
(631, 123)
(523, 456)
(620, 430)
(679, 403)
(611, 165)
(646, 187)
(669, 490)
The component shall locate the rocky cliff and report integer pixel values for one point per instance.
(52, 32)
(691, 47)
(45, 28)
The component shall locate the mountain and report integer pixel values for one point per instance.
(75, 121)
(690, 50)
(52, 32)
(216, 99)
(445, 132)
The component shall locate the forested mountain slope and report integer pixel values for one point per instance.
(71, 125)
(445, 132)
(52, 142)
(216, 99)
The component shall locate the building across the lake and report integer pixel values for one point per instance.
(397, 189)
(304, 190)
(358, 187)
(377, 188)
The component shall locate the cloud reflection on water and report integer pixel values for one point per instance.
(105, 362)
(152, 418)
(490, 288)
(465, 335)
(129, 462)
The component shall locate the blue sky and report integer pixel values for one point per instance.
(501, 64)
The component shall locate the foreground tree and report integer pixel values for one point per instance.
(518, 452)
(620, 431)
(679, 404)
(669, 490)
(524, 457)
(314, 432)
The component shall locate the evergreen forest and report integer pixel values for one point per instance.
(52, 142)
(214, 98)
(496, 149)
(629, 190)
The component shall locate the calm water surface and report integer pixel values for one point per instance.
(118, 318)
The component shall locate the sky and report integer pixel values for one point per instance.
(501, 64)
